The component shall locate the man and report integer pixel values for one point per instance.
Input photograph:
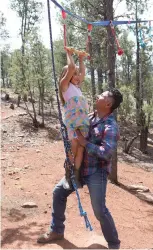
(101, 142)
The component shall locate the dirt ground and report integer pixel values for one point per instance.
(31, 164)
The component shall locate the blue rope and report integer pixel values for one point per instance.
(67, 145)
(140, 36)
(143, 39)
(98, 23)
(150, 32)
(82, 213)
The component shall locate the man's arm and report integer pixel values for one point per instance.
(108, 144)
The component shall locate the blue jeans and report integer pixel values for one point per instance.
(96, 184)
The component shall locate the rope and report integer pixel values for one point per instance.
(73, 50)
(89, 29)
(64, 26)
(141, 37)
(98, 23)
(141, 34)
(120, 51)
(67, 145)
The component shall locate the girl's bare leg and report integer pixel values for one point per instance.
(74, 148)
(77, 151)
(74, 145)
(79, 157)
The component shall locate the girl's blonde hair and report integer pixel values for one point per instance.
(60, 91)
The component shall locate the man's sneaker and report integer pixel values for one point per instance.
(49, 237)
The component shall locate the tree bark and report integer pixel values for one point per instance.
(42, 103)
(137, 91)
(143, 139)
(2, 71)
(129, 70)
(42, 110)
(113, 175)
(34, 116)
(100, 80)
(99, 70)
(39, 107)
(92, 70)
(18, 100)
(111, 57)
(143, 133)
(128, 143)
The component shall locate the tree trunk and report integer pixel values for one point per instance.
(105, 76)
(93, 84)
(34, 116)
(39, 107)
(117, 77)
(128, 143)
(99, 70)
(2, 71)
(25, 98)
(42, 110)
(111, 57)
(100, 80)
(23, 39)
(35, 123)
(137, 90)
(143, 133)
(143, 139)
(142, 115)
(18, 100)
(7, 81)
(129, 73)
(52, 102)
(42, 103)
(92, 70)
(34, 110)
(113, 174)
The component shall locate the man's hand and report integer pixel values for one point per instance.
(81, 139)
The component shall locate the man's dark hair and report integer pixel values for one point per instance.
(118, 98)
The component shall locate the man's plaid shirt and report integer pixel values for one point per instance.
(102, 141)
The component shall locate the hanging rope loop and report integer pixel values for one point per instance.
(120, 51)
(67, 145)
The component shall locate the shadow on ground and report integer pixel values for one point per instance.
(29, 233)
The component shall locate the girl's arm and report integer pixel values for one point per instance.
(81, 68)
(64, 83)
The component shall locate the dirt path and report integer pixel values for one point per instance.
(29, 173)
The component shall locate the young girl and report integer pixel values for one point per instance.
(75, 107)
